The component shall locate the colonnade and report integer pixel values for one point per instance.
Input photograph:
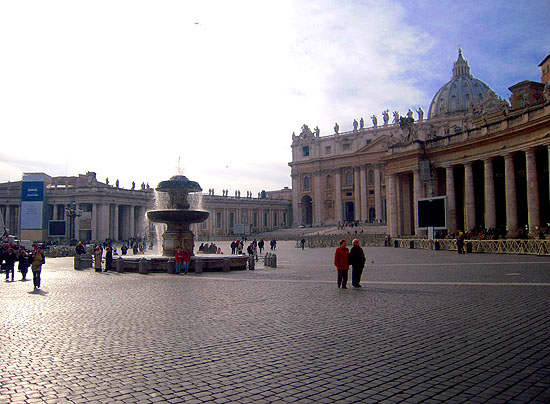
(10, 214)
(499, 190)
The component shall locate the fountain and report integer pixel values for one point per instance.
(178, 217)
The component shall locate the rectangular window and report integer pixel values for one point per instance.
(218, 220)
(305, 151)
(265, 219)
(346, 146)
(371, 192)
(255, 219)
(231, 220)
(327, 149)
(368, 141)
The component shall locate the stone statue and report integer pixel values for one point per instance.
(317, 131)
(355, 125)
(361, 123)
(133, 185)
(409, 113)
(107, 180)
(143, 186)
(386, 117)
(293, 136)
(374, 120)
(420, 113)
(395, 117)
(306, 132)
(235, 193)
(148, 186)
(117, 183)
(336, 128)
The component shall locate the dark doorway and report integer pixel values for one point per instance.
(349, 211)
(372, 215)
(307, 211)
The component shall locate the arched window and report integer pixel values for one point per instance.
(349, 178)
(371, 177)
(306, 183)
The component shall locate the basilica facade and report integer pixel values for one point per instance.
(488, 160)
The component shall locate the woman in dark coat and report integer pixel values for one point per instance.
(357, 261)
(23, 265)
(108, 258)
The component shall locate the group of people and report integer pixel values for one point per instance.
(343, 258)
(210, 248)
(34, 259)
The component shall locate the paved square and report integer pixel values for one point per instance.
(427, 326)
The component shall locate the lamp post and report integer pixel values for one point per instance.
(71, 211)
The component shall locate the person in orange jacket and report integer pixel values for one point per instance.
(342, 264)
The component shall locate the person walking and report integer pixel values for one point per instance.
(303, 243)
(261, 245)
(341, 261)
(10, 259)
(108, 258)
(37, 259)
(23, 265)
(97, 259)
(357, 261)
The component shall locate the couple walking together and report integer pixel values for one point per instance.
(343, 258)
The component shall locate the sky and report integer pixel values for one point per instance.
(141, 90)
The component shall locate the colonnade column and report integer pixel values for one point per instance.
(378, 194)
(115, 223)
(94, 222)
(132, 222)
(338, 197)
(7, 218)
(363, 181)
(296, 214)
(490, 211)
(77, 223)
(418, 193)
(511, 198)
(356, 194)
(469, 200)
(317, 203)
(54, 213)
(392, 195)
(532, 191)
(451, 198)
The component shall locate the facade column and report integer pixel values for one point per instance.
(338, 212)
(76, 222)
(115, 222)
(54, 213)
(511, 197)
(418, 192)
(392, 195)
(532, 191)
(317, 203)
(363, 181)
(132, 221)
(296, 211)
(378, 195)
(356, 194)
(7, 217)
(469, 200)
(451, 198)
(94, 222)
(490, 212)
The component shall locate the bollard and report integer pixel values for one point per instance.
(396, 243)
(273, 260)
(171, 267)
(226, 265)
(266, 259)
(198, 267)
(251, 263)
(436, 245)
(77, 262)
(411, 244)
(143, 267)
(119, 265)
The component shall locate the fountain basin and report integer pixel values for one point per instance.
(177, 216)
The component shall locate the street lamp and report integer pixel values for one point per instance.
(72, 211)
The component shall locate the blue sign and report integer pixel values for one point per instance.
(32, 191)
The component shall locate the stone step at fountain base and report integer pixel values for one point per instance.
(199, 263)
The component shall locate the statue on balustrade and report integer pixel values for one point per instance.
(361, 124)
(420, 113)
(386, 117)
(374, 120)
(355, 125)
(395, 117)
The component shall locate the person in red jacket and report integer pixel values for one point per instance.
(179, 259)
(186, 260)
(342, 265)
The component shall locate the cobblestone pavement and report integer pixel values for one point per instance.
(427, 326)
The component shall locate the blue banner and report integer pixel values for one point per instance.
(32, 191)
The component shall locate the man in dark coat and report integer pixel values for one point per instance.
(357, 261)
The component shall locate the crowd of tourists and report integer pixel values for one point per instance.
(12, 254)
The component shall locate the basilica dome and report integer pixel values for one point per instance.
(460, 93)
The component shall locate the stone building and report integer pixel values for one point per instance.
(488, 159)
(108, 211)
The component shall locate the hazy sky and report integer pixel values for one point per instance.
(125, 88)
